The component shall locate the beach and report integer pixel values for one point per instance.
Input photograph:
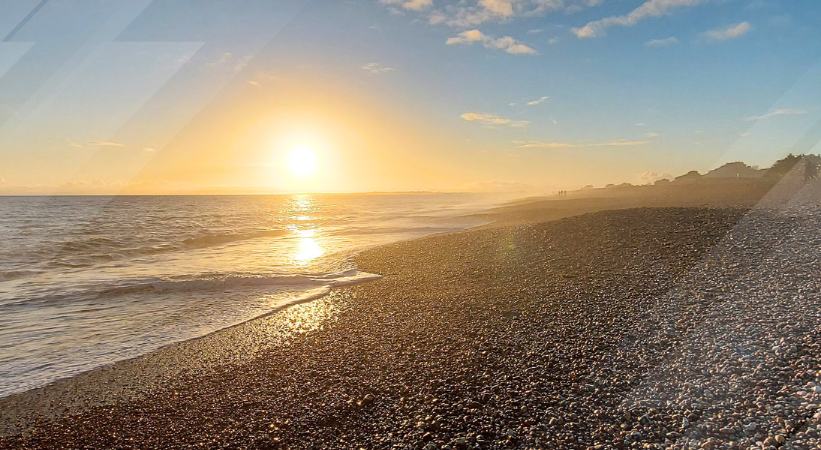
(648, 327)
(410, 224)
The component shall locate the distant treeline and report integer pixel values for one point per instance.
(803, 166)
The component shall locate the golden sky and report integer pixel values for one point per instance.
(203, 97)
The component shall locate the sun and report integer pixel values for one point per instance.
(302, 161)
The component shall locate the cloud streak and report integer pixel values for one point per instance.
(659, 43)
(106, 144)
(538, 101)
(775, 113)
(559, 145)
(648, 9)
(375, 68)
(729, 32)
(504, 43)
(492, 120)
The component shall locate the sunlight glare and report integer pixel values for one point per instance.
(302, 161)
(307, 248)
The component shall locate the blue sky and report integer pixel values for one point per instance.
(97, 95)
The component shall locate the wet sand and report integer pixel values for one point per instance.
(662, 327)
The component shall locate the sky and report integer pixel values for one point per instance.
(200, 96)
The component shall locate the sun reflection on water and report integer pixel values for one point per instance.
(303, 203)
(307, 247)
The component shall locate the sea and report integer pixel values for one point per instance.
(86, 281)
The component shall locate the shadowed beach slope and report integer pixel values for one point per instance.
(670, 327)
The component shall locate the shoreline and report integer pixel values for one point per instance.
(559, 321)
(305, 296)
(10, 404)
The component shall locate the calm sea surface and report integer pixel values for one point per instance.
(86, 281)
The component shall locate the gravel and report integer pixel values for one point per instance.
(640, 328)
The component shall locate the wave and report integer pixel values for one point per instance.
(89, 251)
(8, 275)
(210, 240)
(201, 283)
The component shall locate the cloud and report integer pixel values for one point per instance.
(505, 43)
(230, 61)
(375, 68)
(500, 8)
(557, 145)
(493, 120)
(467, 14)
(412, 5)
(729, 32)
(73, 143)
(261, 78)
(658, 43)
(106, 144)
(776, 113)
(537, 101)
(417, 5)
(467, 37)
(648, 9)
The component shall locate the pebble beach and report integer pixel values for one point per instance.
(638, 328)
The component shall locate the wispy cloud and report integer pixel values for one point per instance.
(648, 9)
(538, 101)
(493, 120)
(556, 145)
(505, 43)
(73, 143)
(658, 43)
(261, 78)
(775, 113)
(728, 32)
(229, 61)
(412, 5)
(375, 68)
(106, 144)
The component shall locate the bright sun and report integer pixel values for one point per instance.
(302, 161)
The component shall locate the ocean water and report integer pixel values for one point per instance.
(86, 281)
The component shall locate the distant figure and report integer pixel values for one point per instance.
(810, 169)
